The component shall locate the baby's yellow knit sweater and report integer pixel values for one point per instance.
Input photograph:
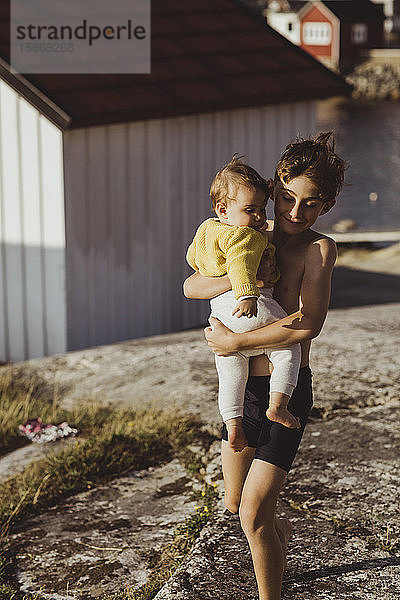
(218, 249)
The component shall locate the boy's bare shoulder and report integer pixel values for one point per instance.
(321, 248)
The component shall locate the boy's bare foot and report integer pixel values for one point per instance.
(236, 438)
(284, 529)
(283, 416)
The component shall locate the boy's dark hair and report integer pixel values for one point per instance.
(235, 173)
(316, 159)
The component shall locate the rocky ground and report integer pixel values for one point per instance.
(342, 497)
(342, 494)
(101, 540)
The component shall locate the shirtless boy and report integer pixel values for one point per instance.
(308, 177)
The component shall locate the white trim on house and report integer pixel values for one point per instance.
(359, 33)
(33, 95)
(32, 237)
(317, 4)
(317, 33)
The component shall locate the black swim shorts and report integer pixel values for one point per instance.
(273, 442)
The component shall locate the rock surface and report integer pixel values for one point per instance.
(342, 498)
(355, 363)
(166, 371)
(98, 541)
(342, 494)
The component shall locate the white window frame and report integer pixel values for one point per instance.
(317, 33)
(359, 33)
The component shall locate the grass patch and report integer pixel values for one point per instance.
(118, 442)
(115, 442)
(25, 395)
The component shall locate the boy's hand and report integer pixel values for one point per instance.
(221, 340)
(246, 308)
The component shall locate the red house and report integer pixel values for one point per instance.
(337, 31)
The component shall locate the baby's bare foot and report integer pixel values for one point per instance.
(236, 438)
(283, 416)
(284, 529)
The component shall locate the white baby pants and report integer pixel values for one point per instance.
(233, 370)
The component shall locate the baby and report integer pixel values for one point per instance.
(234, 243)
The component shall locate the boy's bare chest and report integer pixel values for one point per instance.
(287, 289)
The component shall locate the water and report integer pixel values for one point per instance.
(368, 137)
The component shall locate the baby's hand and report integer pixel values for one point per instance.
(246, 308)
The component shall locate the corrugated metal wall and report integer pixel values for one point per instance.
(32, 236)
(135, 193)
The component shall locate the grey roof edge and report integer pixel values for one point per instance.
(34, 96)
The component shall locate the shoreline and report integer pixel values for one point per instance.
(384, 259)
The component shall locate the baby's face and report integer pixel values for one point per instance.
(245, 208)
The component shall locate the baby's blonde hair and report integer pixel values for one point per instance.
(234, 174)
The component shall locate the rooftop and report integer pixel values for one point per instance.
(346, 10)
(352, 10)
(207, 56)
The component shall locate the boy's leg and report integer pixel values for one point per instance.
(235, 466)
(276, 448)
(232, 377)
(266, 534)
(286, 363)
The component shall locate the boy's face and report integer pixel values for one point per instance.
(244, 208)
(298, 205)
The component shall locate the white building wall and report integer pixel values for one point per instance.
(135, 194)
(287, 24)
(32, 237)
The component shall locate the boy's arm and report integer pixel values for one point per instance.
(304, 324)
(199, 287)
